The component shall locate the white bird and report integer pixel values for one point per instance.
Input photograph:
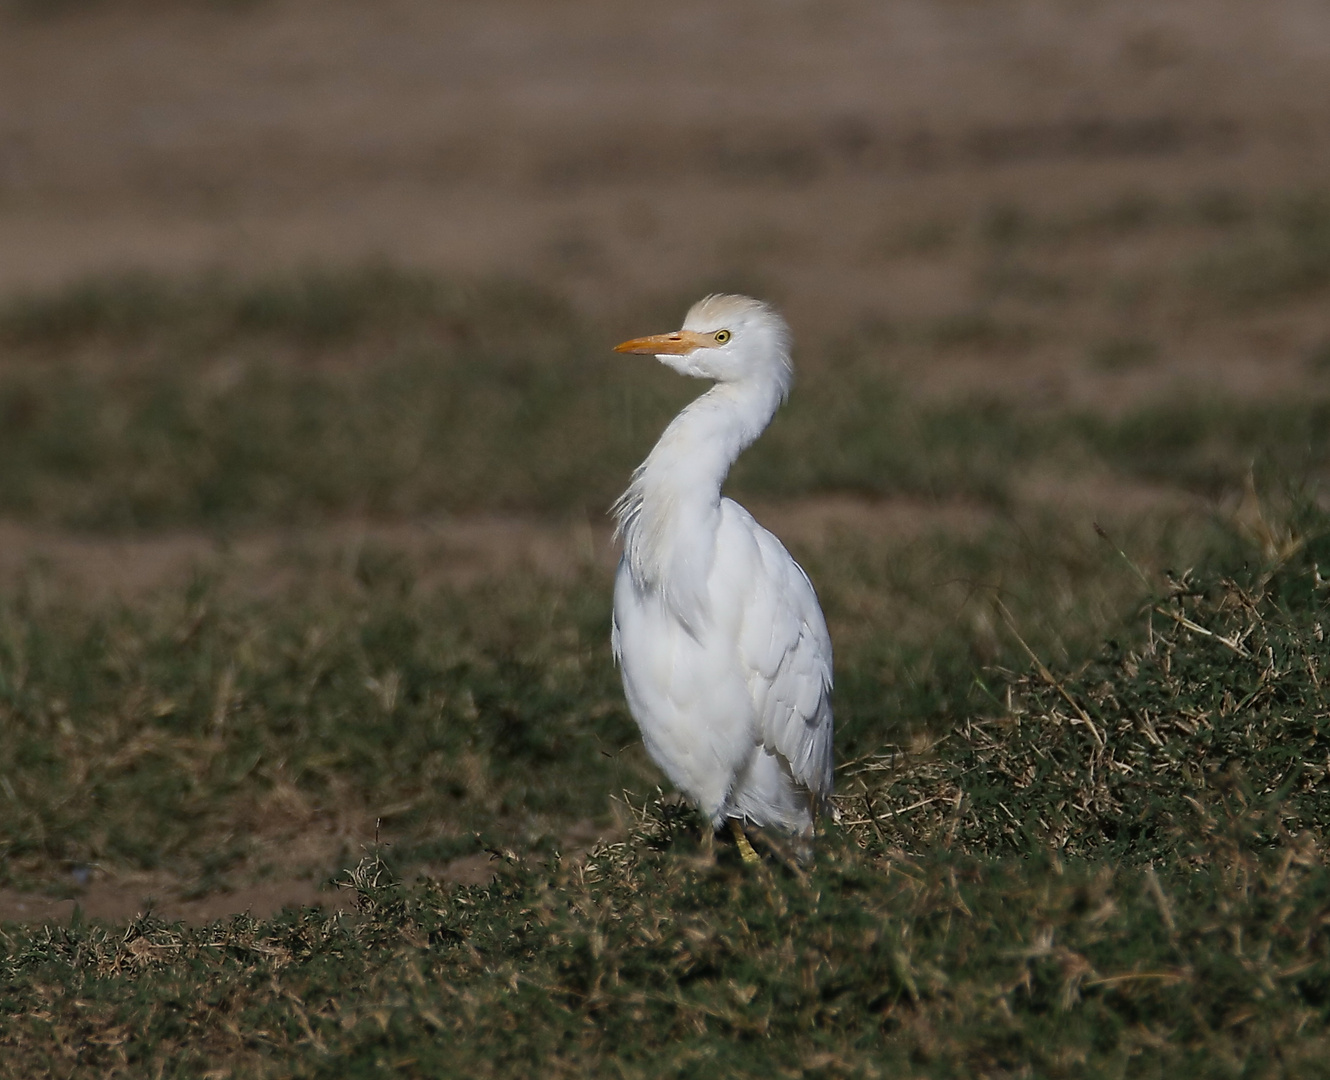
(724, 651)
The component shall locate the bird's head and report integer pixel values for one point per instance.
(725, 338)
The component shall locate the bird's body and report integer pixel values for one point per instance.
(725, 655)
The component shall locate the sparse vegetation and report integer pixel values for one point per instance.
(1079, 869)
(1120, 353)
(134, 403)
(313, 759)
(1054, 854)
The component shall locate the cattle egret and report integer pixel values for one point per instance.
(724, 651)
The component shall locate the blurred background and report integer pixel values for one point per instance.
(297, 260)
(861, 163)
(306, 319)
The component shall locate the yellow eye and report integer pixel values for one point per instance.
(721, 336)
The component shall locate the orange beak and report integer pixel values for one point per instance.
(675, 344)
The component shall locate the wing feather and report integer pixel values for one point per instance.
(786, 650)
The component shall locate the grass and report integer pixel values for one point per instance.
(1213, 731)
(138, 734)
(57, 9)
(1287, 255)
(1082, 780)
(1025, 890)
(136, 403)
(650, 965)
(1140, 266)
(1121, 353)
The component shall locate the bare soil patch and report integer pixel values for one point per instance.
(305, 857)
(119, 902)
(459, 552)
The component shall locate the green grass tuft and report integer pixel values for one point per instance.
(1208, 733)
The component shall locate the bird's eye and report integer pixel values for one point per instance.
(722, 336)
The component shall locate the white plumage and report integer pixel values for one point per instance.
(725, 655)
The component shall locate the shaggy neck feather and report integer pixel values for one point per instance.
(669, 515)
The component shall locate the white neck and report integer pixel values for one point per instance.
(669, 515)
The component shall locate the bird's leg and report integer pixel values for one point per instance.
(746, 851)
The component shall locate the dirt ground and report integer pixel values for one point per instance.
(628, 156)
(461, 551)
